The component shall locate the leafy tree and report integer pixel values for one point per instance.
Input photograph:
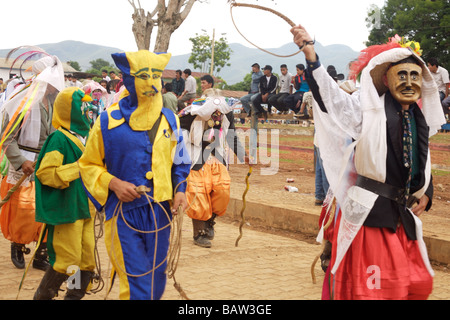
(74, 64)
(202, 53)
(100, 64)
(424, 21)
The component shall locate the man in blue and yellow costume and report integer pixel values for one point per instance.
(137, 143)
(61, 202)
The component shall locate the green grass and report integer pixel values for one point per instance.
(440, 173)
(442, 138)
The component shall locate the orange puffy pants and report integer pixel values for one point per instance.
(208, 191)
(17, 218)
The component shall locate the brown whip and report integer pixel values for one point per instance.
(325, 227)
(282, 16)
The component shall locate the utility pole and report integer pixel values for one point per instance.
(212, 53)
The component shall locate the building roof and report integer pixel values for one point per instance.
(234, 94)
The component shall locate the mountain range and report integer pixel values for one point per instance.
(242, 57)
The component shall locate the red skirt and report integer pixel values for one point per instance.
(380, 264)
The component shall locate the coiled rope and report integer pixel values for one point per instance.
(174, 251)
(233, 4)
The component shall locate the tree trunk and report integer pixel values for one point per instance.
(142, 29)
(169, 18)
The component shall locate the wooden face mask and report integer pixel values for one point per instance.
(405, 82)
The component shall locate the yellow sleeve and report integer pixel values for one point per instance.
(93, 171)
(54, 174)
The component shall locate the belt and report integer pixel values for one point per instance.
(385, 190)
(29, 149)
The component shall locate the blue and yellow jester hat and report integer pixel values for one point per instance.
(141, 105)
(71, 112)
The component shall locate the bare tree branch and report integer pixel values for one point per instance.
(166, 17)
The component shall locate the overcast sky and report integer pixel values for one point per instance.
(108, 22)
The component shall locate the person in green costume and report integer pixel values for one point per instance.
(61, 202)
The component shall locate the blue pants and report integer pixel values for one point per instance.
(132, 252)
(246, 100)
(321, 180)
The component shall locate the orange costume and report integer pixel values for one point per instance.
(208, 124)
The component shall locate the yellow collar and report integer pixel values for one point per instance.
(72, 138)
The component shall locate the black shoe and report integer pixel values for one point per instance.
(49, 286)
(40, 260)
(265, 115)
(209, 232)
(78, 293)
(17, 252)
(318, 202)
(201, 240)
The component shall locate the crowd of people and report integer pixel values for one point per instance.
(289, 93)
(286, 92)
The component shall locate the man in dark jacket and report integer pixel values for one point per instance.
(267, 89)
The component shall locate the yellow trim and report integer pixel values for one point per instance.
(92, 168)
(113, 123)
(115, 254)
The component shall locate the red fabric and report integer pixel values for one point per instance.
(367, 54)
(328, 233)
(381, 265)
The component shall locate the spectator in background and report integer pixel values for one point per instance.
(66, 80)
(254, 89)
(294, 101)
(75, 83)
(285, 86)
(190, 89)
(446, 105)
(2, 85)
(178, 83)
(170, 100)
(105, 75)
(267, 88)
(440, 76)
(104, 84)
(113, 75)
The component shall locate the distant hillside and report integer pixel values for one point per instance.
(241, 59)
(78, 51)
